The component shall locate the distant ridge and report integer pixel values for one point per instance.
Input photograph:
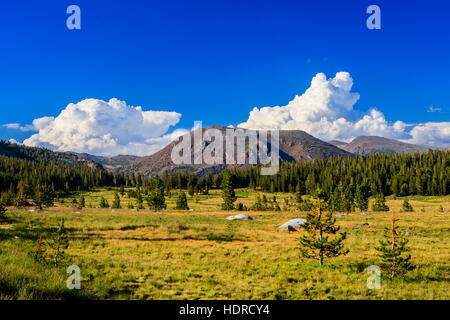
(366, 145)
(295, 145)
(112, 164)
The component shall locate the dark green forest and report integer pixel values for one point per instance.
(32, 169)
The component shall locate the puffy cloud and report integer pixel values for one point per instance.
(105, 128)
(431, 133)
(325, 111)
(13, 141)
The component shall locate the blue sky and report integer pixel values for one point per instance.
(216, 60)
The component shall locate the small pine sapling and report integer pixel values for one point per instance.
(316, 244)
(391, 250)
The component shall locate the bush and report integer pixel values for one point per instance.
(380, 204)
(407, 207)
(182, 203)
(104, 203)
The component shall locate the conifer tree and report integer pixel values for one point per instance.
(316, 244)
(191, 190)
(82, 201)
(2, 210)
(139, 200)
(391, 250)
(258, 204)
(406, 206)
(228, 194)
(156, 199)
(58, 243)
(380, 203)
(122, 190)
(116, 202)
(43, 196)
(104, 203)
(182, 203)
(298, 197)
(362, 195)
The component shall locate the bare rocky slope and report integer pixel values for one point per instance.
(294, 145)
(366, 145)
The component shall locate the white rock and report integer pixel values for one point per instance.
(240, 217)
(341, 215)
(294, 223)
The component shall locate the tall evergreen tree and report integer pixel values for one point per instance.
(362, 195)
(228, 194)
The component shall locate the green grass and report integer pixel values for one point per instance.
(200, 255)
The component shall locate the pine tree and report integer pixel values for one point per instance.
(82, 201)
(391, 250)
(156, 199)
(116, 202)
(2, 210)
(182, 203)
(38, 197)
(228, 194)
(104, 203)
(139, 200)
(58, 243)
(298, 197)
(191, 190)
(122, 190)
(362, 195)
(258, 204)
(316, 245)
(406, 206)
(380, 203)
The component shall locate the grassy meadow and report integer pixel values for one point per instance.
(198, 254)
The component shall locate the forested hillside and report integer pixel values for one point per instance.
(41, 154)
(55, 175)
(398, 174)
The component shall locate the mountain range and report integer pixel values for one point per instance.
(366, 145)
(294, 145)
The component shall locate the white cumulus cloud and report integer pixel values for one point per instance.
(325, 110)
(105, 128)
